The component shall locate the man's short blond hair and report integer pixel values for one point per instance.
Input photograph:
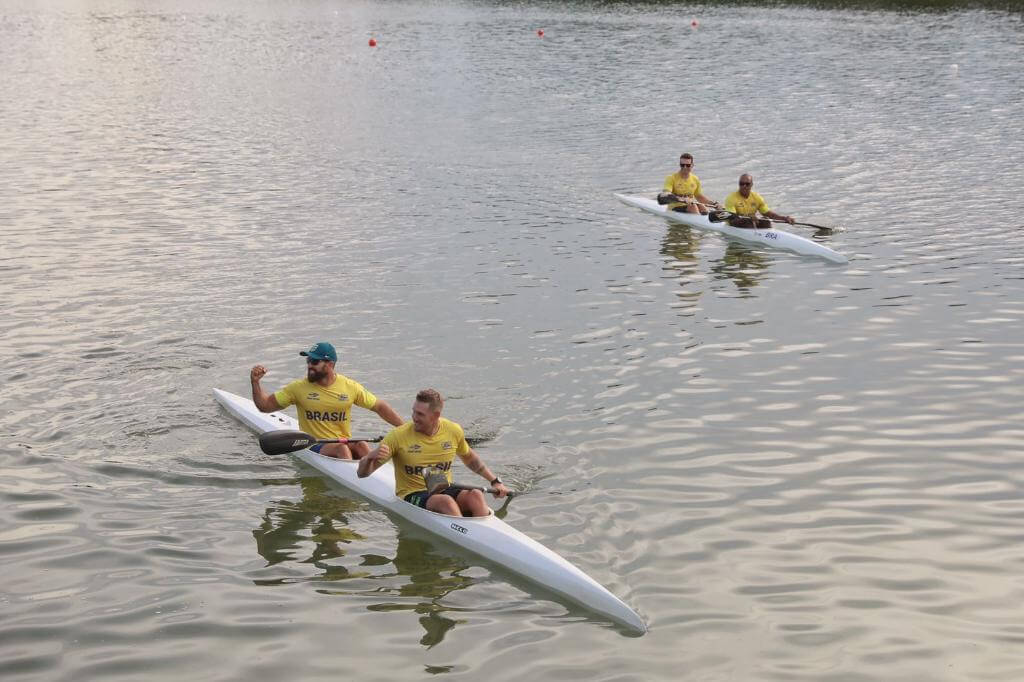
(431, 398)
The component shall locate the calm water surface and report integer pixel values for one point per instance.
(793, 470)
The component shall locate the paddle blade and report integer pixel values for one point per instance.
(719, 216)
(823, 229)
(281, 442)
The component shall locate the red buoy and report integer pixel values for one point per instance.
(540, 32)
(373, 42)
(693, 23)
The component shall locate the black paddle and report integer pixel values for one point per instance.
(722, 215)
(437, 481)
(666, 198)
(823, 228)
(282, 442)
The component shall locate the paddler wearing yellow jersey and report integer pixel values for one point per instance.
(747, 204)
(682, 190)
(326, 411)
(429, 444)
(416, 454)
(323, 401)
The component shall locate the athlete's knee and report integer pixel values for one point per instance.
(443, 504)
(336, 450)
(473, 503)
(359, 450)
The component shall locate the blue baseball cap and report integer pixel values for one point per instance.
(321, 351)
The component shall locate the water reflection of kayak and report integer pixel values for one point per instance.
(486, 536)
(777, 239)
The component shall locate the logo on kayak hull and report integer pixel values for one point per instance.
(459, 528)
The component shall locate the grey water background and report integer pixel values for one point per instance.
(793, 470)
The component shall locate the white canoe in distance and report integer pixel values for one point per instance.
(489, 536)
(776, 239)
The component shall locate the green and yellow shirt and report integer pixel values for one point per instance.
(326, 412)
(688, 187)
(416, 454)
(746, 206)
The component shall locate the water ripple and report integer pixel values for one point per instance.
(792, 470)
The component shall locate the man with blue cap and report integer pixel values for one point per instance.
(323, 401)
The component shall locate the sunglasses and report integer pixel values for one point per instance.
(685, 165)
(313, 361)
(746, 184)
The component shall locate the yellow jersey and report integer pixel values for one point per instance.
(326, 412)
(688, 187)
(746, 206)
(416, 454)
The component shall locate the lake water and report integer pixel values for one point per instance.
(793, 470)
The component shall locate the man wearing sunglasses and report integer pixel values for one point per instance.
(683, 191)
(746, 204)
(323, 401)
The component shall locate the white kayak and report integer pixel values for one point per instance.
(778, 239)
(487, 536)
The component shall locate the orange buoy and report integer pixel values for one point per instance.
(373, 42)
